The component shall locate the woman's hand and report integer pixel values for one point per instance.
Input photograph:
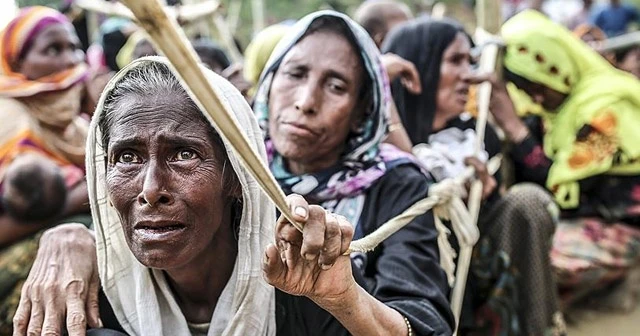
(501, 107)
(62, 287)
(489, 183)
(397, 66)
(311, 263)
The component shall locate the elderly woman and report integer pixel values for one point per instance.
(588, 154)
(511, 291)
(42, 86)
(322, 108)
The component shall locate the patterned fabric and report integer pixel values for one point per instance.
(512, 284)
(15, 39)
(25, 127)
(15, 263)
(589, 254)
(594, 131)
(364, 160)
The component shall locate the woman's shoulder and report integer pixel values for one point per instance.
(14, 116)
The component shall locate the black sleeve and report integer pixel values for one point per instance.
(404, 271)
(530, 161)
(492, 143)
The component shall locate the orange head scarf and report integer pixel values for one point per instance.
(16, 39)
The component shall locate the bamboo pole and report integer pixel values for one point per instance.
(489, 21)
(620, 42)
(220, 24)
(257, 10)
(233, 15)
(174, 45)
(489, 15)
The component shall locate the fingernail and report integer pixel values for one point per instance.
(300, 211)
(325, 266)
(309, 256)
(265, 260)
(100, 324)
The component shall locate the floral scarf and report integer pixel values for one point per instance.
(365, 160)
(595, 130)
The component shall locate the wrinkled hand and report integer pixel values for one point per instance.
(397, 66)
(62, 287)
(501, 106)
(234, 74)
(311, 263)
(489, 183)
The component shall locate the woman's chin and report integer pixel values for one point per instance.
(159, 258)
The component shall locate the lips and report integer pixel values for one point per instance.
(298, 129)
(158, 230)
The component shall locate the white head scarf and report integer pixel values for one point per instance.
(140, 296)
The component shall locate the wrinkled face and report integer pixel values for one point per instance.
(54, 49)
(164, 178)
(453, 90)
(631, 62)
(313, 102)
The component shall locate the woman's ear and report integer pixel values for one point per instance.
(232, 185)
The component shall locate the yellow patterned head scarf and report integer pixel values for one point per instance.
(595, 130)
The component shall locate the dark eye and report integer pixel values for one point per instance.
(52, 51)
(185, 155)
(294, 74)
(129, 158)
(337, 86)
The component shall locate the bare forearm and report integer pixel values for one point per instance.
(363, 314)
(397, 133)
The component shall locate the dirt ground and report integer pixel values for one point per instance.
(593, 323)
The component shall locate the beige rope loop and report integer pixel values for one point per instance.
(440, 194)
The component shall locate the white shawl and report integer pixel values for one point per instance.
(140, 297)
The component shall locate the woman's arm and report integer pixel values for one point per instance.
(63, 284)
(397, 133)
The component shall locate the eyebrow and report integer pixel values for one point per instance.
(174, 140)
(330, 73)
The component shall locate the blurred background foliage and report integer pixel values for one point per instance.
(279, 10)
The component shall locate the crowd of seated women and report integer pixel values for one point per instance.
(123, 211)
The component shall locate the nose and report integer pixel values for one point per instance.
(154, 191)
(71, 57)
(307, 97)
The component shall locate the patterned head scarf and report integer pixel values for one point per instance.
(364, 160)
(595, 130)
(16, 39)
